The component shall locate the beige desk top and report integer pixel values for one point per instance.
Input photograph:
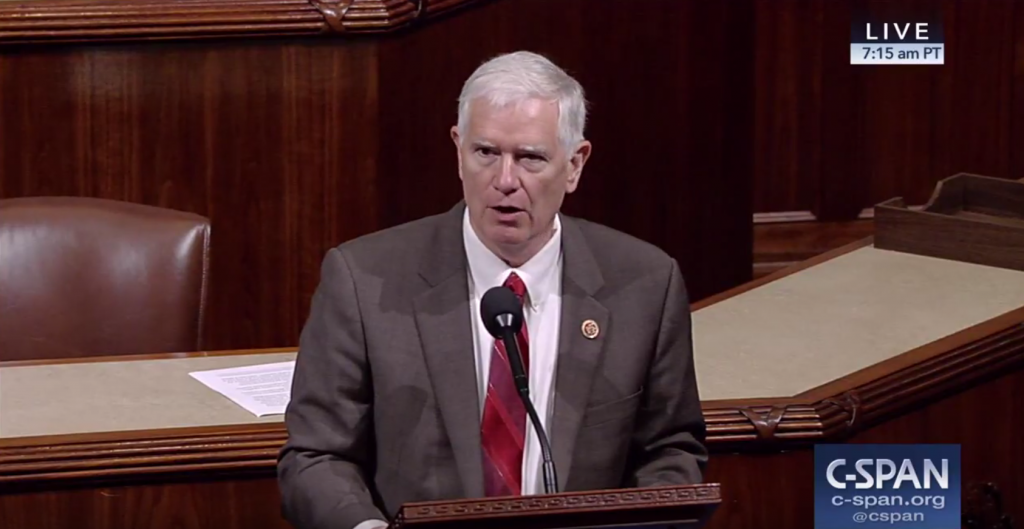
(135, 395)
(804, 330)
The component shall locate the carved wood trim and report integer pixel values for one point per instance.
(592, 504)
(765, 423)
(671, 496)
(142, 457)
(53, 21)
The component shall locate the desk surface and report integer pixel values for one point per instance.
(832, 319)
(86, 397)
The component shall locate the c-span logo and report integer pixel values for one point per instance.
(911, 486)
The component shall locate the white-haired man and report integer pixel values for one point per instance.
(401, 394)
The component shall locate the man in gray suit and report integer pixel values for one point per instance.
(400, 394)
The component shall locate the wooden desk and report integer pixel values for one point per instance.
(134, 442)
(860, 345)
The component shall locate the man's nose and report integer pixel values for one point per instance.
(508, 180)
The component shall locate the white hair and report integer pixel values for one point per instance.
(515, 77)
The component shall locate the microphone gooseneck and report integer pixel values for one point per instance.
(502, 314)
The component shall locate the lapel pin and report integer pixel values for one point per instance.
(590, 329)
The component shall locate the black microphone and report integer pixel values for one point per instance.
(502, 313)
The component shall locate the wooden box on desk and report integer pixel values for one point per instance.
(969, 218)
(675, 507)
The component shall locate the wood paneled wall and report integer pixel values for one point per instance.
(703, 114)
(293, 145)
(831, 140)
(834, 139)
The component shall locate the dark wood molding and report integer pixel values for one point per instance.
(774, 217)
(250, 450)
(53, 21)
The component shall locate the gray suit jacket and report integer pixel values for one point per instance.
(384, 405)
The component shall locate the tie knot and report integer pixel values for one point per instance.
(515, 283)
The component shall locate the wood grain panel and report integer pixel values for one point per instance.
(788, 108)
(840, 195)
(1017, 95)
(763, 491)
(275, 142)
(971, 117)
(236, 503)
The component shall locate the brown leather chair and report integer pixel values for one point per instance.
(86, 277)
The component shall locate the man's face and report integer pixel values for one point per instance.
(515, 173)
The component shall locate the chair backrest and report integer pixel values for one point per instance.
(83, 277)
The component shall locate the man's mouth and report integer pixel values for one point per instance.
(507, 210)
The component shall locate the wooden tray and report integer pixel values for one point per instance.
(970, 218)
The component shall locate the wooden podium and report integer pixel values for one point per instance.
(680, 507)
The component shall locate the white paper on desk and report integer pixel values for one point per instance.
(262, 389)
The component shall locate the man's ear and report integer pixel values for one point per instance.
(577, 161)
(458, 148)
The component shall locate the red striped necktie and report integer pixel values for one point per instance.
(503, 428)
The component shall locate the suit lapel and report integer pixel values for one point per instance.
(443, 321)
(578, 356)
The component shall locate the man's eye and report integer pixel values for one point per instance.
(487, 151)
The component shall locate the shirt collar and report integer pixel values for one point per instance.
(540, 273)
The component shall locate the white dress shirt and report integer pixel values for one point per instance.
(542, 312)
